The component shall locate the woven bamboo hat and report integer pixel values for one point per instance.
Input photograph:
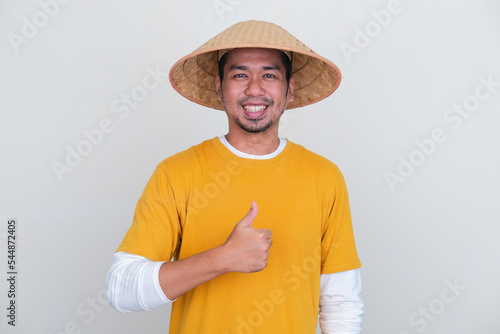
(315, 77)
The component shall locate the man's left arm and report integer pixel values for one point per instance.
(340, 303)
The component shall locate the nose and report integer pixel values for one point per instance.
(254, 87)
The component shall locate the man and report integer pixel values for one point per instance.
(259, 227)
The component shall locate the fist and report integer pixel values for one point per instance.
(247, 247)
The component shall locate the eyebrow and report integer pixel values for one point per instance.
(238, 67)
(245, 68)
(271, 68)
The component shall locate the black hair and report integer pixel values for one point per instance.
(287, 62)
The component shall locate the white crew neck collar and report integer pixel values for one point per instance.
(241, 154)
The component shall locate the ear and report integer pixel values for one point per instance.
(218, 88)
(291, 89)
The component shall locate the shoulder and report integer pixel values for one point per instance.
(313, 160)
(188, 158)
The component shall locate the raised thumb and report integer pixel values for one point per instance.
(250, 216)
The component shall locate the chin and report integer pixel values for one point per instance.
(256, 128)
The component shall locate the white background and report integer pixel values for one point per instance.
(440, 225)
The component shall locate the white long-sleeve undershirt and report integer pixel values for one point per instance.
(340, 303)
(133, 285)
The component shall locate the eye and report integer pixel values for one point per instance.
(272, 76)
(239, 75)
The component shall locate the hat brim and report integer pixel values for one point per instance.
(315, 77)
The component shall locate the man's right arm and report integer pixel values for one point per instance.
(246, 250)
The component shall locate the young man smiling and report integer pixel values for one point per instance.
(255, 92)
(293, 254)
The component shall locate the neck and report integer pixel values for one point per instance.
(254, 143)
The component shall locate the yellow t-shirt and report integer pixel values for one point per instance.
(192, 203)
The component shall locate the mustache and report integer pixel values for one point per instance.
(263, 100)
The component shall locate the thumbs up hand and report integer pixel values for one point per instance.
(247, 248)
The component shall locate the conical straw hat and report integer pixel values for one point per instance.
(315, 77)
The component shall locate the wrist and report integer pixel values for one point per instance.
(220, 259)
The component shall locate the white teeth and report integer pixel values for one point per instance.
(254, 108)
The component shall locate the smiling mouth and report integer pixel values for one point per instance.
(254, 109)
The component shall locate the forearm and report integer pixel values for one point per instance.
(179, 277)
(136, 283)
(133, 282)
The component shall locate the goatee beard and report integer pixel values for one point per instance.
(256, 129)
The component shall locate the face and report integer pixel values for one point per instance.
(254, 90)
